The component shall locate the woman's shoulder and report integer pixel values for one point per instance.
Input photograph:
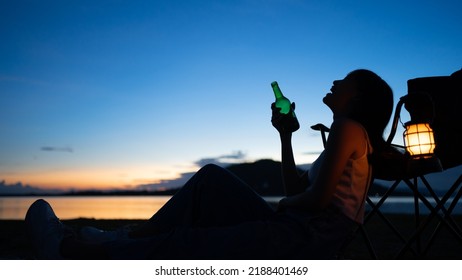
(351, 134)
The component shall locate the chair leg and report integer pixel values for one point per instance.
(433, 213)
(450, 209)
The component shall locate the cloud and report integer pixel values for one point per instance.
(20, 189)
(223, 160)
(167, 184)
(57, 149)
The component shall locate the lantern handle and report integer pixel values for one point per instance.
(396, 119)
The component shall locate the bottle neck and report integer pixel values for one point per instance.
(277, 90)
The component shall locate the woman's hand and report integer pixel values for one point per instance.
(284, 123)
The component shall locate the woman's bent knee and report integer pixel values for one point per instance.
(216, 177)
(212, 169)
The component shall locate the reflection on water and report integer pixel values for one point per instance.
(143, 207)
(97, 207)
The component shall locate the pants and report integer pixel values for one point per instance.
(217, 216)
(213, 197)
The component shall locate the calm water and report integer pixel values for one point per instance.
(139, 207)
(98, 207)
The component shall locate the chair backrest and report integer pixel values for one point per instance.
(446, 94)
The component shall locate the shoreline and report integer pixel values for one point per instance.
(14, 244)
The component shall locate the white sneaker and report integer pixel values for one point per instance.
(95, 236)
(44, 230)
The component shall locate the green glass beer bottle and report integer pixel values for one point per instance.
(285, 106)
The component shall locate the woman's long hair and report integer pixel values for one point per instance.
(372, 106)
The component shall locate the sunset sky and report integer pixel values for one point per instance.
(121, 93)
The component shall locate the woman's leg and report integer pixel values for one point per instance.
(212, 197)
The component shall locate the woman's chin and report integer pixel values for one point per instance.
(326, 98)
(326, 101)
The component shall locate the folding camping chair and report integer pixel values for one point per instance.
(446, 96)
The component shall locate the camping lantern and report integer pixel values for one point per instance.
(419, 140)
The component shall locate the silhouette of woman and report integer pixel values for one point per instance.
(217, 216)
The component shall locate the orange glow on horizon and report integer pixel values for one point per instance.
(116, 177)
(125, 178)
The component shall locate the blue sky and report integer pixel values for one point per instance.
(121, 93)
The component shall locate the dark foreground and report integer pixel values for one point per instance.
(14, 245)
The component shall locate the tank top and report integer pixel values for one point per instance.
(350, 193)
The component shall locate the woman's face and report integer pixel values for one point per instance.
(341, 96)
